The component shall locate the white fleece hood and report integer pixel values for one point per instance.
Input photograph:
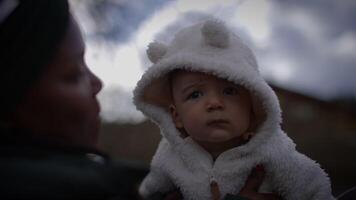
(180, 163)
(209, 48)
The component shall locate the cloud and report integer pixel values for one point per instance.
(317, 38)
(306, 46)
(113, 20)
(116, 106)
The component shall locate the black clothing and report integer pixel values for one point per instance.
(350, 194)
(34, 169)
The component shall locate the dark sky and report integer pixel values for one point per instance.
(310, 46)
(319, 37)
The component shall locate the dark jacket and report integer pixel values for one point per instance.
(37, 169)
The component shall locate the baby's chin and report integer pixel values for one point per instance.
(221, 136)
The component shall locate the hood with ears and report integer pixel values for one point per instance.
(208, 47)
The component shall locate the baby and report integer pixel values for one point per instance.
(218, 119)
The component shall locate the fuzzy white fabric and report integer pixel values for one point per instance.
(181, 163)
(215, 34)
(156, 51)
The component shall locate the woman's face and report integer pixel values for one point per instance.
(62, 105)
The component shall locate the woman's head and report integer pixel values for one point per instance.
(29, 38)
(49, 90)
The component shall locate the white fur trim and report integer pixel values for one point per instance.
(156, 51)
(291, 174)
(215, 33)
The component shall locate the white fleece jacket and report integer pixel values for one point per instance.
(181, 163)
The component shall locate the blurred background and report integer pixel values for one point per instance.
(305, 49)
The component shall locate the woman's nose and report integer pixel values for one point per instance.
(215, 102)
(96, 83)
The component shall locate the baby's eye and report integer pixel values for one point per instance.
(194, 95)
(230, 91)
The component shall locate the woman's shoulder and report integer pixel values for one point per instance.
(48, 172)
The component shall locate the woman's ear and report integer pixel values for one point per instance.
(175, 116)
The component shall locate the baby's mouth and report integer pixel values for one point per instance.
(218, 122)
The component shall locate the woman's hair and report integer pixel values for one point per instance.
(29, 38)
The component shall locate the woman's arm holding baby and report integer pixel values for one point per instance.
(248, 192)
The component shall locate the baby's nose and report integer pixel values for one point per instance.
(215, 102)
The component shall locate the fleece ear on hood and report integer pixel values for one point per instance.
(211, 48)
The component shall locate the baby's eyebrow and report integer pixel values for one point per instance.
(191, 85)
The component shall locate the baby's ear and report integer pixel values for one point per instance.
(175, 116)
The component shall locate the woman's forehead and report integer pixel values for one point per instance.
(72, 44)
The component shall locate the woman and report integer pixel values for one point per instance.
(49, 118)
(49, 110)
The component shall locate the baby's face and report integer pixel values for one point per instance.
(208, 108)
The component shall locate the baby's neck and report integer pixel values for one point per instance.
(216, 148)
